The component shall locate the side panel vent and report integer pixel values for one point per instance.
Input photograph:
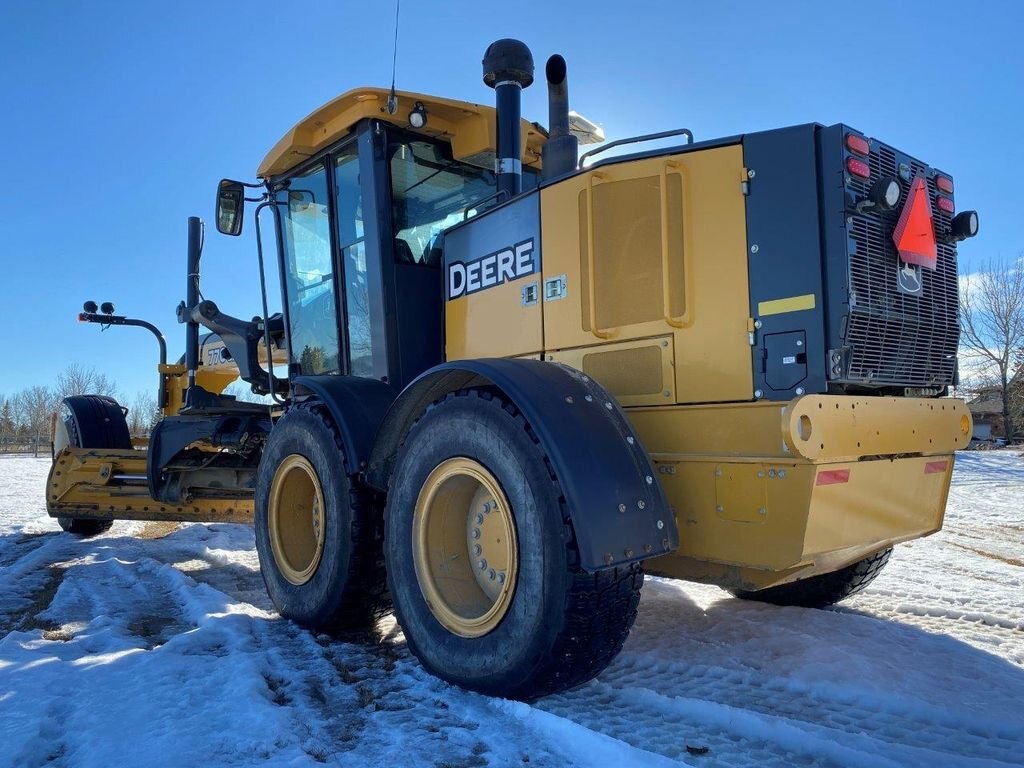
(626, 372)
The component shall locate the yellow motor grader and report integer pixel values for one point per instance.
(507, 381)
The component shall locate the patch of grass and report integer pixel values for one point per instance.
(275, 686)
(366, 698)
(27, 619)
(158, 529)
(154, 630)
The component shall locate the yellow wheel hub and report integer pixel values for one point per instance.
(464, 547)
(296, 519)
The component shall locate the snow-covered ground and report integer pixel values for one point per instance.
(155, 645)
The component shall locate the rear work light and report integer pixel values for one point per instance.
(858, 167)
(857, 144)
(945, 184)
(945, 204)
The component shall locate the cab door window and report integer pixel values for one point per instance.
(352, 247)
(309, 274)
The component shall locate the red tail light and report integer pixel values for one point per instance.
(944, 184)
(857, 144)
(945, 204)
(858, 167)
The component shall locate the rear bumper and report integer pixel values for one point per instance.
(768, 493)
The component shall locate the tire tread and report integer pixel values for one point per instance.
(366, 597)
(825, 589)
(600, 608)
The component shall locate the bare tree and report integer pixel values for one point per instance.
(76, 379)
(143, 414)
(34, 406)
(992, 327)
(243, 392)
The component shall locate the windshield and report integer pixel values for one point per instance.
(430, 192)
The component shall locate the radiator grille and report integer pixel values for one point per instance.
(894, 337)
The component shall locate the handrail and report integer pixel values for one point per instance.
(592, 277)
(636, 139)
(666, 288)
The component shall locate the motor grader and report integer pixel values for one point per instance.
(507, 381)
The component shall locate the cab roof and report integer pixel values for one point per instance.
(470, 128)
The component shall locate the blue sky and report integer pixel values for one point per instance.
(117, 120)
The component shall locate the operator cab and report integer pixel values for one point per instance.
(360, 225)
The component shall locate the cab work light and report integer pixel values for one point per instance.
(965, 224)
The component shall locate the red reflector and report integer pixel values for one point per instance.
(935, 466)
(945, 204)
(915, 233)
(81, 317)
(833, 477)
(857, 144)
(858, 167)
(944, 184)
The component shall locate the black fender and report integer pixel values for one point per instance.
(356, 404)
(618, 508)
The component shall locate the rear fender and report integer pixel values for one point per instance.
(618, 509)
(357, 406)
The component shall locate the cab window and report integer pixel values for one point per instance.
(309, 274)
(352, 247)
(430, 192)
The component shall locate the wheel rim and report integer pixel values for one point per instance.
(465, 549)
(296, 519)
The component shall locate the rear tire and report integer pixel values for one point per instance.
(826, 589)
(318, 534)
(559, 626)
(84, 528)
(95, 421)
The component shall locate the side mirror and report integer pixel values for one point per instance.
(230, 206)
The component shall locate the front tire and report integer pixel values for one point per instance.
(94, 421)
(827, 588)
(318, 534)
(472, 500)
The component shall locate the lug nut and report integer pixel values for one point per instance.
(479, 519)
(477, 549)
(483, 565)
(476, 533)
(622, 507)
(492, 575)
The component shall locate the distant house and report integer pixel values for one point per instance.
(987, 409)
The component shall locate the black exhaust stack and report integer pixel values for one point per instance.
(561, 148)
(508, 68)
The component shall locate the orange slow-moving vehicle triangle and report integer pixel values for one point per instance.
(915, 232)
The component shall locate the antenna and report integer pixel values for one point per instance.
(392, 97)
